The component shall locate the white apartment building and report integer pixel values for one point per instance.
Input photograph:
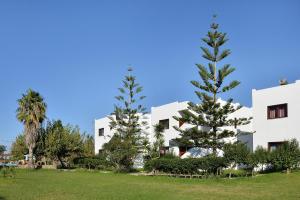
(164, 115)
(276, 115)
(103, 133)
(274, 111)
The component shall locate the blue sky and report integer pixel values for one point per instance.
(75, 53)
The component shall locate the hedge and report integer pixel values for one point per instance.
(92, 163)
(205, 165)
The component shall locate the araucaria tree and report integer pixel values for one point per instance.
(126, 122)
(31, 112)
(209, 117)
(159, 140)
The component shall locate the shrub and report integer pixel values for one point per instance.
(236, 154)
(234, 173)
(95, 162)
(259, 158)
(8, 171)
(287, 156)
(169, 155)
(205, 165)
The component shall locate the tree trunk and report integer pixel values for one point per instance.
(30, 158)
(288, 170)
(61, 162)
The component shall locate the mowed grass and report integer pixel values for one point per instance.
(54, 184)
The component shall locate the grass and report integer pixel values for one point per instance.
(53, 184)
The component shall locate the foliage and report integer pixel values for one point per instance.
(2, 149)
(236, 154)
(8, 172)
(88, 145)
(39, 149)
(259, 158)
(31, 112)
(63, 142)
(210, 113)
(169, 155)
(153, 151)
(205, 165)
(95, 162)
(18, 148)
(126, 122)
(159, 139)
(287, 156)
(234, 173)
(120, 153)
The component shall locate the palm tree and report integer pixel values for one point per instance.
(31, 112)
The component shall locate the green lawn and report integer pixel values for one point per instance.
(52, 184)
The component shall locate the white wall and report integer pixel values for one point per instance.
(104, 123)
(100, 140)
(167, 111)
(276, 130)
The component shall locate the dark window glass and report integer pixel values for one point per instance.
(163, 151)
(277, 111)
(101, 131)
(274, 145)
(164, 123)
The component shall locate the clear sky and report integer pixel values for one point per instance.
(75, 53)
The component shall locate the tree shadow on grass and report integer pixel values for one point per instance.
(2, 198)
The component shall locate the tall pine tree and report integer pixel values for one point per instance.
(210, 118)
(126, 122)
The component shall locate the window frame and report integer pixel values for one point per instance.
(102, 132)
(275, 144)
(277, 108)
(162, 121)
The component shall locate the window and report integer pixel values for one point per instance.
(182, 114)
(163, 151)
(277, 111)
(101, 131)
(181, 122)
(274, 145)
(164, 123)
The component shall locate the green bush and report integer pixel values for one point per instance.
(205, 165)
(234, 173)
(8, 171)
(96, 162)
(286, 157)
(236, 154)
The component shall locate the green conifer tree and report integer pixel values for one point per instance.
(127, 121)
(209, 117)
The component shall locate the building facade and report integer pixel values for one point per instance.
(164, 115)
(274, 115)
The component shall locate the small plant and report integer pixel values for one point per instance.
(234, 173)
(8, 172)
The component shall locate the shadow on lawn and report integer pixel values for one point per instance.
(2, 198)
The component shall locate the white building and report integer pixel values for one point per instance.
(274, 111)
(276, 115)
(103, 133)
(164, 115)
